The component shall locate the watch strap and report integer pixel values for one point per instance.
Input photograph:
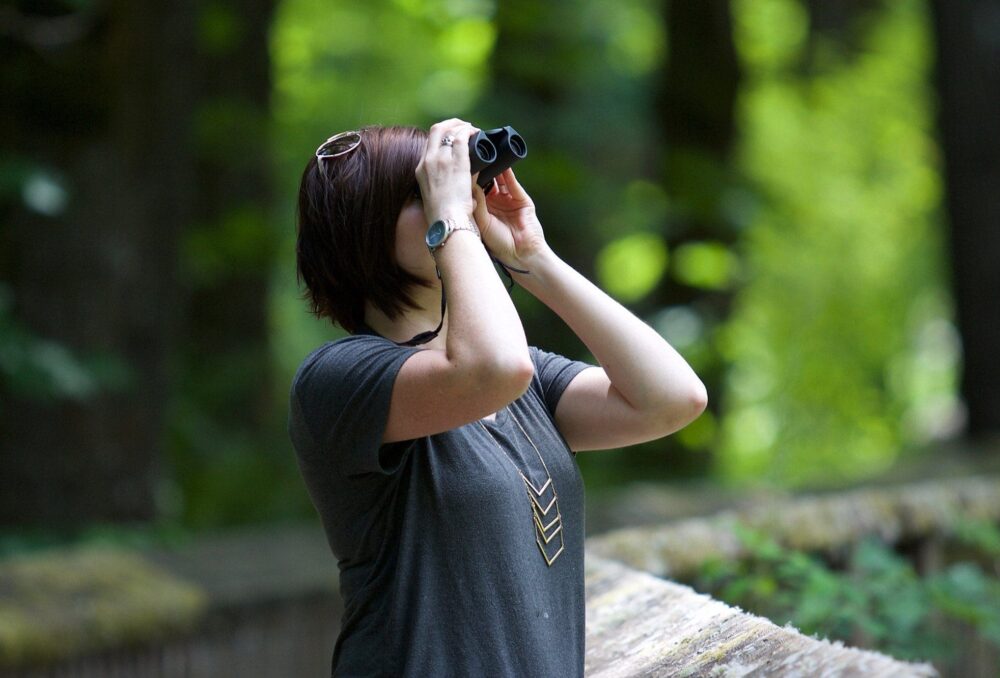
(452, 225)
(467, 224)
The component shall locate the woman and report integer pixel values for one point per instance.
(442, 464)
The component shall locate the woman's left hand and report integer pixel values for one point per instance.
(508, 223)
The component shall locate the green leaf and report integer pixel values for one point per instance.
(631, 266)
(708, 265)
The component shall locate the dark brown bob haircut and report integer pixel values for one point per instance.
(346, 226)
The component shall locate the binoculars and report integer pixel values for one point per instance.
(494, 150)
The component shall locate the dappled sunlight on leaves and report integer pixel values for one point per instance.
(844, 263)
(630, 267)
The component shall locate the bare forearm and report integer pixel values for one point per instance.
(642, 365)
(484, 328)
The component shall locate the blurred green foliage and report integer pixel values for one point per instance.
(840, 351)
(163, 534)
(340, 65)
(41, 369)
(631, 266)
(841, 346)
(30, 365)
(877, 600)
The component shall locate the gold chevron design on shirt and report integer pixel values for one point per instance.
(535, 497)
(552, 536)
(545, 528)
(538, 506)
(536, 490)
(548, 561)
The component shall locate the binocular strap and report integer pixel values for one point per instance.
(424, 337)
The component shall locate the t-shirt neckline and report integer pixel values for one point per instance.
(363, 328)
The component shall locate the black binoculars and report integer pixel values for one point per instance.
(494, 150)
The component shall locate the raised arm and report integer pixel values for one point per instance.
(484, 362)
(643, 389)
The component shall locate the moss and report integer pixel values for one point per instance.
(71, 602)
(820, 523)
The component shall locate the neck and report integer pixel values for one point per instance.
(413, 321)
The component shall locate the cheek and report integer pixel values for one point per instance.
(410, 231)
(416, 224)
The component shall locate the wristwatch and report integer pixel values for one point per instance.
(440, 230)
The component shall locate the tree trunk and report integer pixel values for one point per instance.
(837, 22)
(968, 83)
(695, 104)
(535, 67)
(223, 414)
(701, 79)
(104, 101)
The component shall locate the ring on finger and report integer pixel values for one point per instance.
(447, 140)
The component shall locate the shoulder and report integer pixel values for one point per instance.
(553, 373)
(547, 362)
(346, 347)
(344, 356)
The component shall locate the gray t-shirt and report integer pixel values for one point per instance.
(435, 538)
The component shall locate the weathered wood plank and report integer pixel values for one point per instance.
(640, 625)
(818, 523)
(266, 610)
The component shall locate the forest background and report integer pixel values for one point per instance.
(800, 196)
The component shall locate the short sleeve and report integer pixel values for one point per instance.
(553, 373)
(339, 401)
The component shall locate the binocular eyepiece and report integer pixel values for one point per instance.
(492, 151)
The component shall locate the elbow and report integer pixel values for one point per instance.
(517, 373)
(698, 400)
(525, 372)
(695, 402)
(506, 378)
(682, 409)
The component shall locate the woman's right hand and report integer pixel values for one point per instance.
(443, 171)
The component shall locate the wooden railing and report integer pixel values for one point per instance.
(640, 625)
(914, 512)
(264, 602)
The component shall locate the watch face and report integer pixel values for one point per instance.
(435, 234)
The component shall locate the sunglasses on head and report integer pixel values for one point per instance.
(337, 145)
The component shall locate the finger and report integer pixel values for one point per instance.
(500, 184)
(472, 131)
(460, 135)
(512, 185)
(457, 136)
(466, 136)
(499, 191)
(457, 152)
(439, 130)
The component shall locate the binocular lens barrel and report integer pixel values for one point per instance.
(493, 151)
(517, 146)
(482, 153)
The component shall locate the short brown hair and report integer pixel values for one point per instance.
(346, 226)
